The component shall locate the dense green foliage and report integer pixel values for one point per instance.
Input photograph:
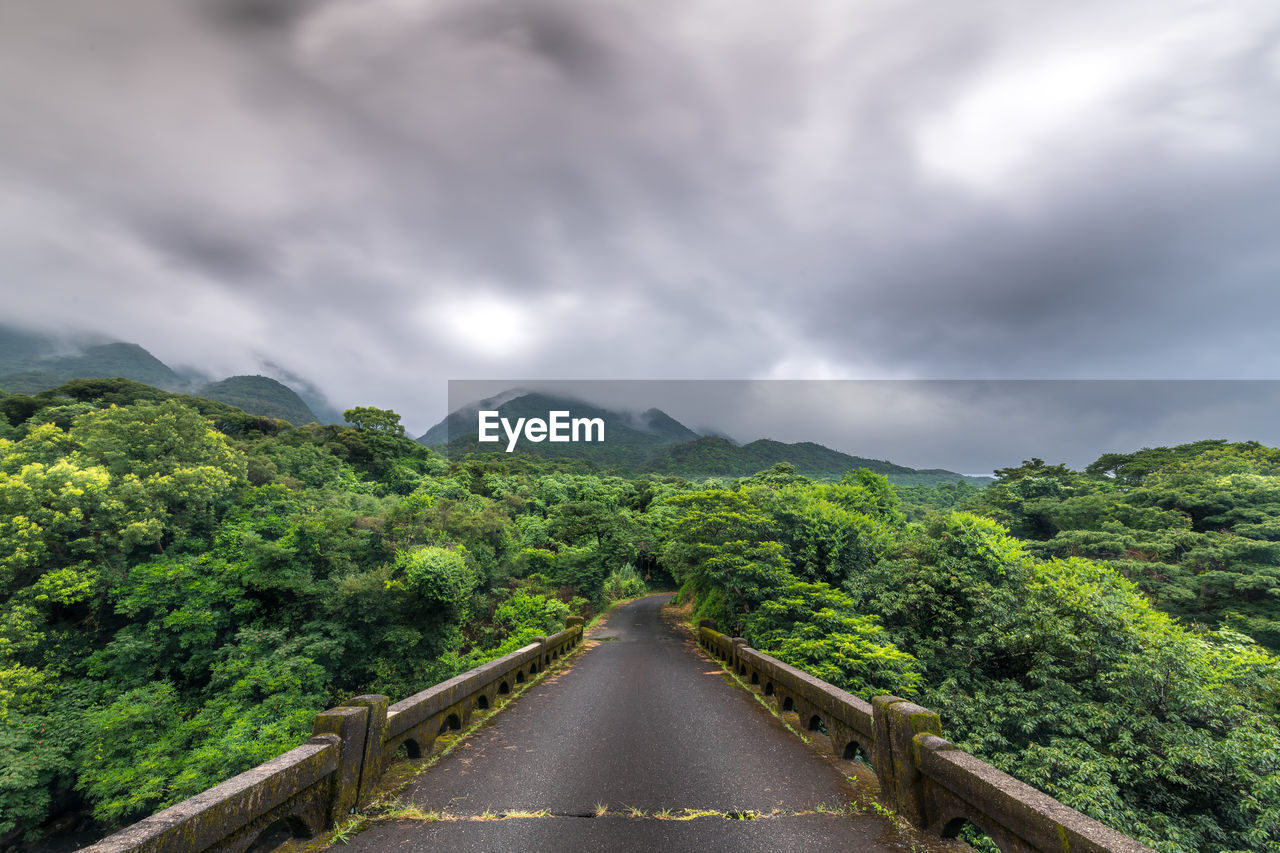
(183, 586)
(1196, 527)
(710, 456)
(1057, 670)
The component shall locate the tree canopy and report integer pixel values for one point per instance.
(183, 586)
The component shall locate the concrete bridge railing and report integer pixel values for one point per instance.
(923, 777)
(313, 786)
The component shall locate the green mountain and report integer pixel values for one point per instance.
(20, 348)
(28, 381)
(629, 439)
(655, 443)
(260, 395)
(27, 369)
(31, 362)
(119, 359)
(647, 430)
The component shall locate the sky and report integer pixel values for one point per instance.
(381, 196)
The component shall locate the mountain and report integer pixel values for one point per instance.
(325, 412)
(654, 442)
(28, 382)
(630, 438)
(462, 422)
(30, 364)
(719, 457)
(20, 348)
(109, 360)
(658, 423)
(260, 395)
(648, 429)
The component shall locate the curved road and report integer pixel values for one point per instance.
(640, 720)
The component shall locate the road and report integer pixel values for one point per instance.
(641, 726)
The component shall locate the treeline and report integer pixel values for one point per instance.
(1196, 527)
(183, 586)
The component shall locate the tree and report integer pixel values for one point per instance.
(369, 419)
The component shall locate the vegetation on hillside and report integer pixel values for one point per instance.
(711, 456)
(103, 360)
(260, 395)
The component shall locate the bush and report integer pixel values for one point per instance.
(623, 584)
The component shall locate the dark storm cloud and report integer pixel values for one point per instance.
(216, 249)
(258, 16)
(377, 196)
(566, 41)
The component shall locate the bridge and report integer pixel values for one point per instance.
(649, 740)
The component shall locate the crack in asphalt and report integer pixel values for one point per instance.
(678, 815)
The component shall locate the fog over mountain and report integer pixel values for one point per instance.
(377, 197)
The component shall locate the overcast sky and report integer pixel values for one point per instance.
(381, 195)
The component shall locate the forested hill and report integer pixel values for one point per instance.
(655, 443)
(711, 456)
(183, 586)
(625, 432)
(260, 395)
(93, 362)
(32, 362)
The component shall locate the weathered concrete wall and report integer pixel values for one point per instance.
(297, 786)
(314, 786)
(416, 721)
(925, 778)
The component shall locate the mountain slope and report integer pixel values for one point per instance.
(649, 429)
(20, 348)
(654, 442)
(31, 362)
(629, 439)
(29, 371)
(260, 395)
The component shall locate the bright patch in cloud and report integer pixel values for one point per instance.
(482, 326)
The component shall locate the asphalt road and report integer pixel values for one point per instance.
(642, 721)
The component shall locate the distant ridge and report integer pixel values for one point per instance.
(654, 442)
(712, 456)
(716, 457)
(630, 438)
(31, 362)
(649, 429)
(30, 371)
(20, 348)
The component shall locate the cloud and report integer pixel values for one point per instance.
(379, 196)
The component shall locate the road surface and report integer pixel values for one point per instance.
(641, 726)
